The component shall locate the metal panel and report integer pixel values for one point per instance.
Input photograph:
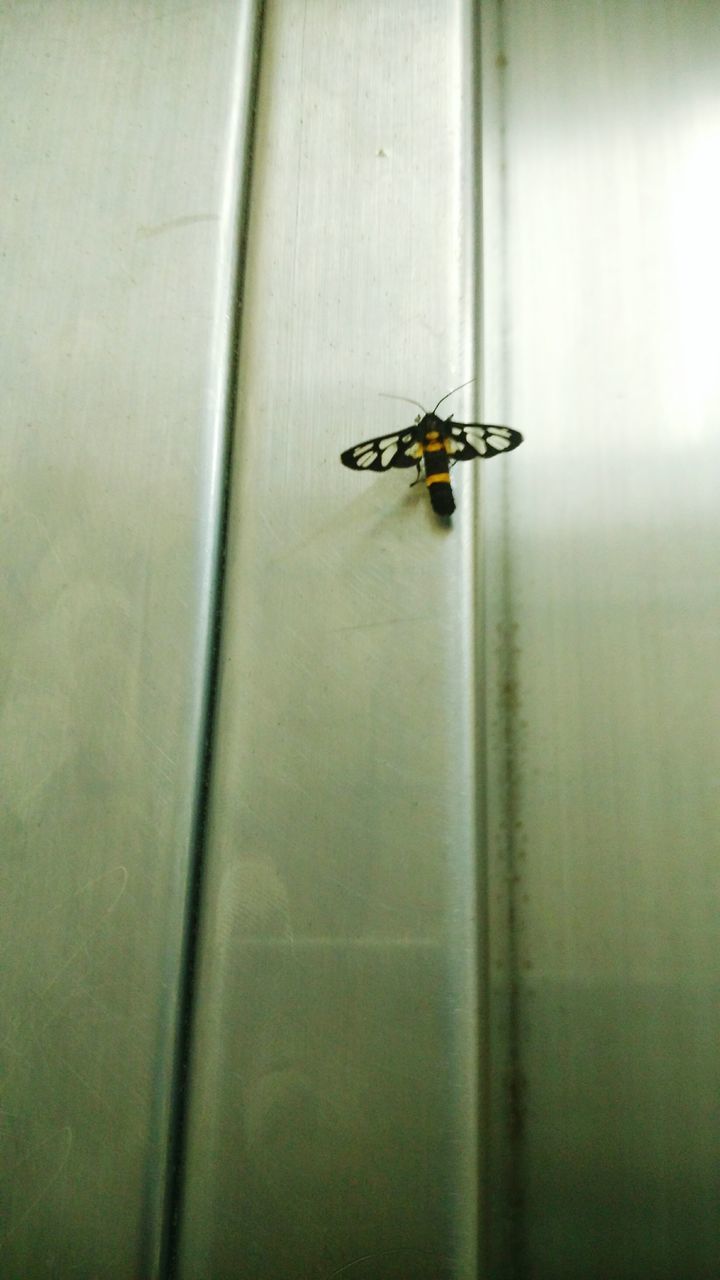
(121, 131)
(610, 630)
(333, 1115)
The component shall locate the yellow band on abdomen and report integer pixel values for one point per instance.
(436, 479)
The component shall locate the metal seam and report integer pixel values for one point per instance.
(228, 320)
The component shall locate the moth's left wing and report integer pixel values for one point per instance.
(400, 449)
(465, 440)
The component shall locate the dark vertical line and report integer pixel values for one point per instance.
(514, 1079)
(513, 1252)
(182, 1063)
(482, 1244)
(502, 1082)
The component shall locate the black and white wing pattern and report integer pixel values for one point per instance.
(399, 449)
(466, 440)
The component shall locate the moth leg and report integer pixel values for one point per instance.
(418, 477)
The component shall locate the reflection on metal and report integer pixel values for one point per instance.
(333, 1103)
(607, 132)
(120, 181)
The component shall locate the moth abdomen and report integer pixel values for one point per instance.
(437, 469)
(441, 498)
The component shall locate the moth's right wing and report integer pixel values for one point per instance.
(466, 440)
(399, 449)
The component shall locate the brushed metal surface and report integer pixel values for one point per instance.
(335, 1123)
(122, 125)
(333, 1104)
(608, 123)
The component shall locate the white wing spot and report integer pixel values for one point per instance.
(365, 459)
(388, 451)
(498, 442)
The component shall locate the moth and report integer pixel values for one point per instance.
(433, 445)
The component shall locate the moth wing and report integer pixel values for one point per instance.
(399, 449)
(466, 440)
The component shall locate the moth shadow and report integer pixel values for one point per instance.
(417, 496)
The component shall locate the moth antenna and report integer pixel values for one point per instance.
(452, 393)
(385, 396)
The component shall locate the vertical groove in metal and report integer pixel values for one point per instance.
(473, 1248)
(473, 329)
(514, 1081)
(504, 1254)
(228, 320)
(508, 701)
